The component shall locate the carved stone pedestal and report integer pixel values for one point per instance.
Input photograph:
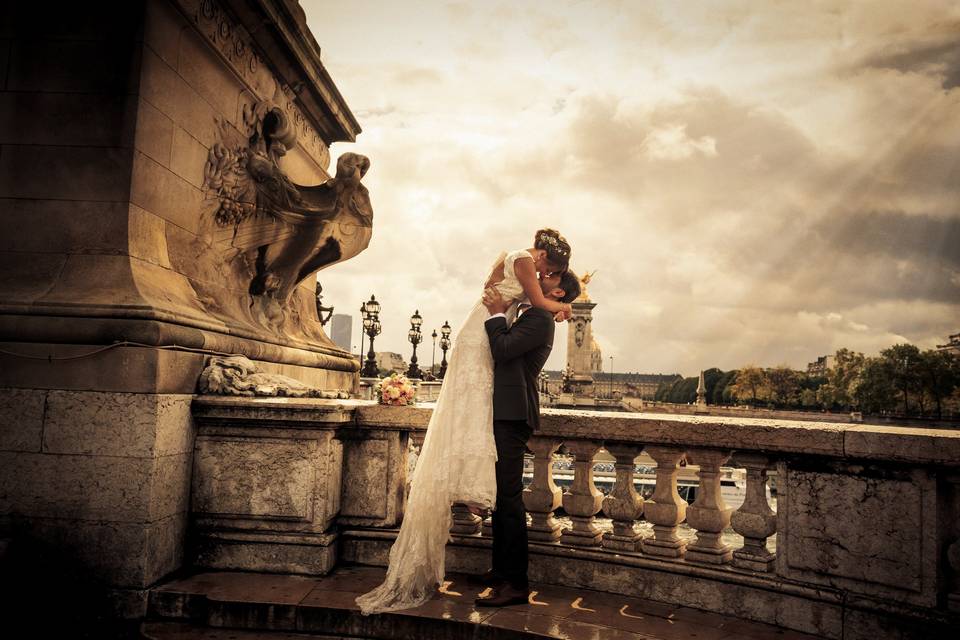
(266, 491)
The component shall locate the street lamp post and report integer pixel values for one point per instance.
(363, 327)
(371, 324)
(415, 338)
(433, 363)
(611, 377)
(444, 345)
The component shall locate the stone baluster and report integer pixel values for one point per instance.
(754, 520)
(708, 514)
(543, 496)
(465, 522)
(582, 501)
(665, 509)
(623, 504)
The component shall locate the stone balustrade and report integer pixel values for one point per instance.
(867, 522)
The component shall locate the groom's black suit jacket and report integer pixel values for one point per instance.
(519, 353)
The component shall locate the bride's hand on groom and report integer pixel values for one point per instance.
(566, 314)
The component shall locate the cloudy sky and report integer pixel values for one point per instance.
(754, 182)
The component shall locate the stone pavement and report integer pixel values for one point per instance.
(286, 606)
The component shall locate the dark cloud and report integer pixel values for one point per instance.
(937, 55)
(894, 235)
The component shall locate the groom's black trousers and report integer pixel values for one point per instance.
(510, 516)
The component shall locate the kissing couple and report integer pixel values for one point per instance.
(487, 410)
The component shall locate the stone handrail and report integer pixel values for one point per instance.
(867, 518)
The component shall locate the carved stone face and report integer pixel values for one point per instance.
(352, 166)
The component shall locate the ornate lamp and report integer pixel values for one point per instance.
(433, 364)
(371, 326)
(415, 338)
(444, 345)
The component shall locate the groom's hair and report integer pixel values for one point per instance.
(570, 284)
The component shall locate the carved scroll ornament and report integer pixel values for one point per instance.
(262, 233)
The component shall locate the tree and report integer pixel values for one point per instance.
(711, 377)
(684, 391)
(809, 389)
(721, 391)
(903, 365)
(750, 380)
(665, 389)
(784, 384)
(939, 373)
(873, 389)
(840, 378)
(808, 398)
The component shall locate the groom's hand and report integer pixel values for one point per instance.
(493, 301)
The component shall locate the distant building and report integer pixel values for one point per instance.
(952, 346)
(645, 385)
(341, 330)
(819, 368)
(639, 385)
(596, 358)
(391, 362)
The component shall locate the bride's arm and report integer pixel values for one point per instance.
(527, 276)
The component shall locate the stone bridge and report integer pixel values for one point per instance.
(866, 525)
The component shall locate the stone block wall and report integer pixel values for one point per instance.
(102, 477)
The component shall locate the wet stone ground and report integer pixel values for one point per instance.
(327, 606)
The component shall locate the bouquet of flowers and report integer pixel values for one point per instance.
(396, 390)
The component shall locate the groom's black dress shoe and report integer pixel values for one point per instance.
(486, 579)
(504, 596)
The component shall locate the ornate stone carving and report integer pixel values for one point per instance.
(239, 376)
(237, 48)
(261, 233)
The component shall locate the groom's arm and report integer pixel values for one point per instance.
(526, 334)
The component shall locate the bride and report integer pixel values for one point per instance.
(456, 463)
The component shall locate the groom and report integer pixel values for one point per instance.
(519, 353)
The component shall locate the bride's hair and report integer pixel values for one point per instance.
(556, 246)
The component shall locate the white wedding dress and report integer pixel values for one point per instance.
(456, 463)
